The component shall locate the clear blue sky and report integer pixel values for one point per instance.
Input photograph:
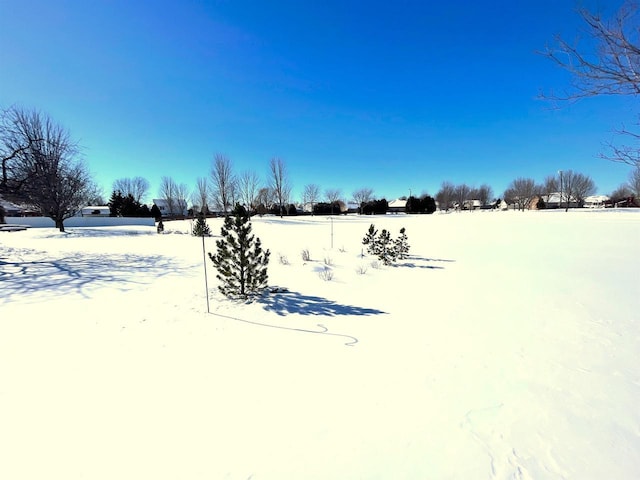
(395, 96)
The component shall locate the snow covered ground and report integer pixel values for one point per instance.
(507, 346)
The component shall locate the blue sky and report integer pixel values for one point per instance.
(394, 96)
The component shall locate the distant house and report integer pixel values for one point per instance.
(596, 201)
(397, 206)
(15, 208)
(472, 205)
(95, 211)
(177, 209)
(557, 200)
(352, 207)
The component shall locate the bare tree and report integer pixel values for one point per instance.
(248, 185)
(200, 196)
(549, 186)
(520, 191)
(634, 181)
(137, 187)
(311, 195)
(483, 193)
(279, 182)
(461, 194)
(576, 186)
(20, 130)
(608, 66)
(182, 193)
(169, 192)
(40, 164)
(445, 195)
(623, 191)
(222, 182)
(264, 199)
(234, 193)
(333, 196)
(362, 196)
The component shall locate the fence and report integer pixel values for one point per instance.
(45, 222)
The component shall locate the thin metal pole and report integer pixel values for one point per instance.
(206, 281)
(331, 233)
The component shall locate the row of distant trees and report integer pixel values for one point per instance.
(42, 167)
(571, 187)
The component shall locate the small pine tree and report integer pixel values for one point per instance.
(385, 248)
(240, 260)
(200, 228)
(370, 239)
(402, 245)
(155, 213)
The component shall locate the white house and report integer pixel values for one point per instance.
(595, 201)
(557, 200)
(397, 205)
(179, 207)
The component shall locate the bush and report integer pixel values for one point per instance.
(387, 250)
(375, 207)
(326, 274)
(323, 208)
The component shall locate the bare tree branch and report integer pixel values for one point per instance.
(611, 68)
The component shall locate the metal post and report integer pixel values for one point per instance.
(206, 282)
(331, 233)
(560, 203)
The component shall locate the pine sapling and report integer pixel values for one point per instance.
(240, 260)
(385, 248)
(200, 228)
(402, 245)
(370, 239)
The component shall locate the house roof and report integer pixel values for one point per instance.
(596, 198)
(398, 203)
(557, 198)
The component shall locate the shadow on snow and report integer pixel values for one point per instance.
(285, 303)
(21, 275)
(415, 264)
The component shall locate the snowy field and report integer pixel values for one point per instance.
(506, 347)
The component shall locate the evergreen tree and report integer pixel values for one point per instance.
(240, 260)
(143, 211)
(129, 206)
(115, 203)
(429, 204)
(380, 245)
(370, 239)
(402, 245)
(155, 213)
(385, 248)
(200, 228)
